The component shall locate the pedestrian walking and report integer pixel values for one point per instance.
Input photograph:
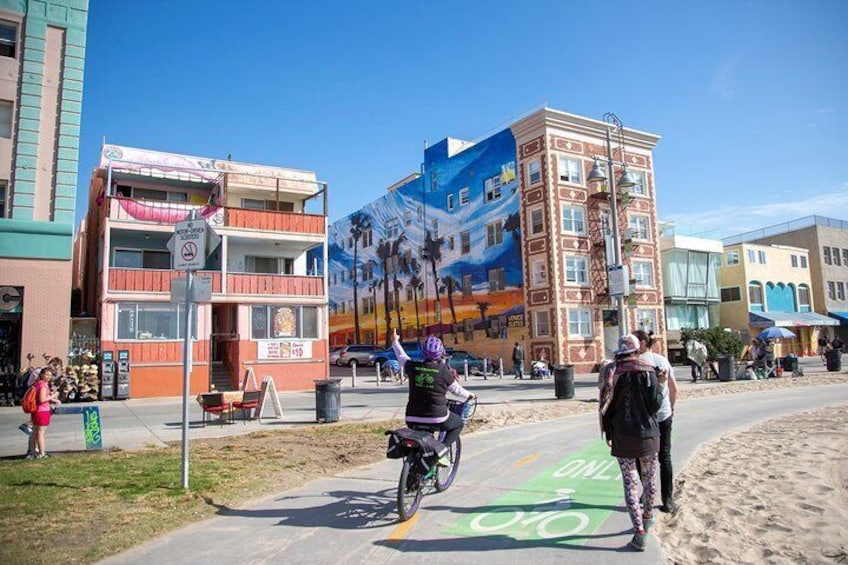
(824, 345)
(668, 387)
(41, 417)
(630, 400)
(696, 352)
(518, 360)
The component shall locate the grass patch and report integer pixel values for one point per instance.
(82, 507)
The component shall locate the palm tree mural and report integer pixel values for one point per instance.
(433, 253)
(416, 283)
(484, 307)
(359, 223)
(451, 285)
(386, 250)
(512, 224)
(373, 285)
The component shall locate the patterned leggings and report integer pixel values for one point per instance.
(634, 485)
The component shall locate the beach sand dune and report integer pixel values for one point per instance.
(775, 493)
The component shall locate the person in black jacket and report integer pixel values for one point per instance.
(630, 399)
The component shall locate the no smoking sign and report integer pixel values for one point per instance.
(190, 241)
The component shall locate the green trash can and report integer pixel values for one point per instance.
(789, 363)
(564, 381)
(328, 400)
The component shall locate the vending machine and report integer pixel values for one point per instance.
(107, 376)
(122, 382)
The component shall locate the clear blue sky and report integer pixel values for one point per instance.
(751, 98)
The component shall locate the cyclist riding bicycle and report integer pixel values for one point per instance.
(429, 382)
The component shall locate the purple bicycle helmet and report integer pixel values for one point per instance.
(434, 349)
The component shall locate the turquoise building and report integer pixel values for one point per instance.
(42, 59)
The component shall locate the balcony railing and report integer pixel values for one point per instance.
(247, 283)
(152, 280)
(167, 213)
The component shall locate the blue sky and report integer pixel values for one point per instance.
(749, 97)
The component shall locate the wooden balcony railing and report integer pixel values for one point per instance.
(247, 283)
(266, 220)
(169, 213)
(152, 280)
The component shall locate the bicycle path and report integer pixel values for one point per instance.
(540, 493)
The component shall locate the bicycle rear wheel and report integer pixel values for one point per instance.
(409, 489)
(446, 475)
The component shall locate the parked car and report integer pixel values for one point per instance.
(412, 348)
(334, 355)
(356, 354)
(457, 359)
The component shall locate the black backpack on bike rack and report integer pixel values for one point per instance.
(404, 441)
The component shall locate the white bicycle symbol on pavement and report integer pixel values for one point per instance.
(546, 519)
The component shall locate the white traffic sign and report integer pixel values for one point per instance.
(201, 289)
(619, 282)
(190, 245)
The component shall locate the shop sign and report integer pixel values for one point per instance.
(278, 349)
(515, 320)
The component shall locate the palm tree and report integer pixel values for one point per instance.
(416, 284)
(512, 224)
(373, 286)
(484, 307)
(450, 286)
(385, 251)
(433, 253)
(359, 223)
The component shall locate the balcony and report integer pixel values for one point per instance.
(152, 280)
(169, 213)
(248, 283)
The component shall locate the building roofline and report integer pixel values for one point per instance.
(550, 117)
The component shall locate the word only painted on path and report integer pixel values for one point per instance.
(564, 504)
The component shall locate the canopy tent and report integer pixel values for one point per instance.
(789, 319)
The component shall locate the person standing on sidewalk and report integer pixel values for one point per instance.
(630, 399)
(41, 417)
(668, 387)
(518, 360)
(696, 352)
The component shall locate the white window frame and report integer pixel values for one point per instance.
(532, 222)
(576, 267)
(570, 170)
(177, 309)
(646, 319)
(759, 286)
(639, 232)
(14, 42)
(731, 258)
(573, 219)
(752, 256)
(492, 187)
(500, 281)
(803, 261)
(464, 242)
(840, 290)
(580, 322)
(827, 260)
(464, 197)
(541, 323)
(793, 259)
(392, 228)
(639, 189)
(7, 117)
(141, 252)
(837, 260)
(804, 292)
(539, 270)
(299, 330)
(761, 257)
(494, 233)
(639, 270)
(450, 202)
(534, 172)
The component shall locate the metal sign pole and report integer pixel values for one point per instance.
(189, 302)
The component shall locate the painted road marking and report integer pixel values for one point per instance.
(399, 532)
(526, 460)
(564, 504)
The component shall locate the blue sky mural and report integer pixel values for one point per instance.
(466, 203)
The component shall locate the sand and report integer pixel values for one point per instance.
(786, 502)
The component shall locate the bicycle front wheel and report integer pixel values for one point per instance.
(409, 489)
(446, 475)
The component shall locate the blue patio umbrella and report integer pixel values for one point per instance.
(775, 333)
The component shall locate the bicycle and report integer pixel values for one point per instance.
(420, 449)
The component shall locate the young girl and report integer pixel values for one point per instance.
(41, 416)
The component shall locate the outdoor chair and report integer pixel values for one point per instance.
(213, 403)
(249, 401)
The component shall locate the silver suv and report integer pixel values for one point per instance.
(351, 355)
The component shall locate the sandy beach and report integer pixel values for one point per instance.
(774, 493)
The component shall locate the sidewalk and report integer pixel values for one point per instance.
(137, 423)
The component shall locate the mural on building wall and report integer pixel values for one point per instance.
(439, 254)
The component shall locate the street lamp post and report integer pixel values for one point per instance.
(625, 181)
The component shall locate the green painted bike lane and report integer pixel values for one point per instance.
(564, 504)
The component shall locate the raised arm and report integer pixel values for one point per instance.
(401, 355)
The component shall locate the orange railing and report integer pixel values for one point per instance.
(266, 220)
(246, 283)
(152, 280)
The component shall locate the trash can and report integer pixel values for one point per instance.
(726, 367)
(834, 359)
(564, 381)
(328, 400)
(789, 363)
